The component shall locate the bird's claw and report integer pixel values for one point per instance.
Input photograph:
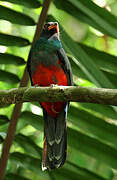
(36, 85)
(53, 85)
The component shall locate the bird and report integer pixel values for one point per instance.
(48, 65)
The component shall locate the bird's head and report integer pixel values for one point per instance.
(50, 29)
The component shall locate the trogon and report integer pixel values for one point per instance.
(48, 65)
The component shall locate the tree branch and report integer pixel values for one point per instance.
(59, 93)
(17, 109)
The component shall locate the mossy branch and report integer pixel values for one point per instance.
(59, 93)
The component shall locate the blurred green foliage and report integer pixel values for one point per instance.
(88, 33)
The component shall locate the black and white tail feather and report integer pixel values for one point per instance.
(55, 140)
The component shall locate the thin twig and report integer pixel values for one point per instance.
(17, 109)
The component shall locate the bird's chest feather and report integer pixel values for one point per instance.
(46, 68)
(45, 75)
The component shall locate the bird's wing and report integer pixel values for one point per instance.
(65, 65)
(29, 67)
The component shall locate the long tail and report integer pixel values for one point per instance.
(55, 141)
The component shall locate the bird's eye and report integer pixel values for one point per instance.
(55, 23)
(46, 26)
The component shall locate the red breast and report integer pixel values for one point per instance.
(45, 76)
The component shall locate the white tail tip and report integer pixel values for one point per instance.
(44, 168)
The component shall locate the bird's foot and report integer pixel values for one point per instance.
(53, 85)
(36, 85)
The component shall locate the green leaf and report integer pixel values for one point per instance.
(29, 3)
(100, 16)
(9, 77)
(27, 117)
(76, 12)
(28, 162)
(76, 69)
(92, 147)
(28, 144)
(3, 120)
(103, 60)
(83, 60)
(1, 140)
(69, 174)
(14, 177)
(72, 171)
(23, 158)
(86, 63)
(69, 171)
(111, 76)
(4, 128)
(15, 17)
(9, 40)
(6, 58)
(104, 110)
(93, 126)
